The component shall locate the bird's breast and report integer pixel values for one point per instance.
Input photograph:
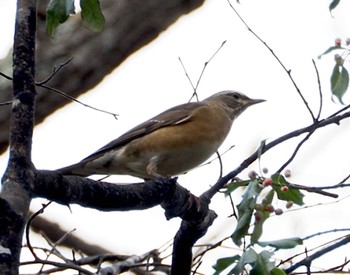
(179, 148)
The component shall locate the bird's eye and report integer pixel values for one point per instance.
(236, 96)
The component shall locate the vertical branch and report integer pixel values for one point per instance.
(22, 120)
(19, 176)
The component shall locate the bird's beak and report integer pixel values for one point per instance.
(256, 101)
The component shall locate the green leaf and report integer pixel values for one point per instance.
(258, 224)
(248, 257)
(57, 12)
(223, 263)
(330, 49)
(333, 4)
(91, 15)
(234, 185)
(339, 82)
(245, 211)
(262, 265)
(283, 243)
(293, 194)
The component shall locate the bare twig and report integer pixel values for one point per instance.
(278, 60)
(55, 71)
(5, 76)
(28, 227)
(42, 84)
(311, 128)
(202, 72)
(6, 103)
(308, 260)
(326, 232)
(75, 100)
(295, 152)
(344, 180)
(319, 90)
(62, 266)
(54, 248)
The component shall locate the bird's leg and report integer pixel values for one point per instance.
(152, 168)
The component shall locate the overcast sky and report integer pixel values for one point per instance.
(153, 80)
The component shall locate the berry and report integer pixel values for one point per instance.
(252, 175)
(287, 173)
(289, 204)
(265, 170)
(267, 182)
(284, 188)
(258, 216)
(338, 42)
(269, 208)
(278, 211)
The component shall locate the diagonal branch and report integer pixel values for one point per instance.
(308, 260)
(278, 60)
(333, 119)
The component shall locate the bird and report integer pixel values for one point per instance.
(169, 144)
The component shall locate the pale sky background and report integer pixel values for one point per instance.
(153, 80)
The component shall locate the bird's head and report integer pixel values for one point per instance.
(233, 102)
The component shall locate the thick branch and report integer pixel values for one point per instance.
(188, 234)
(15, 196)
(176, 200)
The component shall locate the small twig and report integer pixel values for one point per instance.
(55, 71)
(61, 266)
(338, 267)
(210, 247)
(308, 260)
(202, 72)
(42, 85)
(32, 217)
(344, 180)
(5, 103)
(5, 76)
(326, 232)
(221, 164)
(297, 148)
(278, 60)
(234, 214)
(75, 100)
(53, 248)
(187, 75)
(221, 182)
(340, 111)
(211, 160)
(319, 90)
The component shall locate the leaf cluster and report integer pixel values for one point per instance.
(254, 210)
(58, 11)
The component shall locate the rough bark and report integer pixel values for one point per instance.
(130, 24)
(15, 196)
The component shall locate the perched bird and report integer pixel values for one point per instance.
(171, 143)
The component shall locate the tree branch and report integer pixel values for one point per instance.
(308, 260)
(333, 119)
(15, 194)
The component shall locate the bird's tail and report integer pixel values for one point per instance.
(76, 169)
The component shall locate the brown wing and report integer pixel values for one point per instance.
(176, 115)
